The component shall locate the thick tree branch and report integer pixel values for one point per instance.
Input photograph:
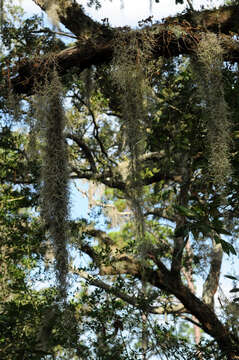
(115, 181)
(176, 36)
(224, 19)
(208, 320)
(72, 16)
(80, 57)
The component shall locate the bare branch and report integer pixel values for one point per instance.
(96, 127)
(160, 213)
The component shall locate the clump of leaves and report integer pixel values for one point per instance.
(208, 69)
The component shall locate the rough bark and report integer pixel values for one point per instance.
(72, 16)
(175, 36)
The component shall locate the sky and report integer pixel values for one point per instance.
(128, 12)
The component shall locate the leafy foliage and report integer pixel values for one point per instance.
(148, 133)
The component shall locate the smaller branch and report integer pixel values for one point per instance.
(160, 310)
(190, 5)
(192, 321)
(92, 114)
(122, 264)
(91, 253)
(85, 149)
(161, 213)
(96, 127)
(61, 33)
(106, 178)
(72, 16)
(188, 273)
(152, 156)
(181, 240)
(111, 113)
(99, 234)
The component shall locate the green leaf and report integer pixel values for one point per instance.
(217, 239)
(234, 290)
(231, 277)
(227, 247)
(185, 211)
(223, 231)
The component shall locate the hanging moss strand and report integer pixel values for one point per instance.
(55, 192)
(129, 78)
(208, 70)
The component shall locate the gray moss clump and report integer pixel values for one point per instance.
(128, 76)
(55, 174)
(208, 69)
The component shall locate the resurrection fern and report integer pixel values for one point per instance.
(208, 70)
(55, 175)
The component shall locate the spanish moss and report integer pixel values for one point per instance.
(55, 191)
(210, 82)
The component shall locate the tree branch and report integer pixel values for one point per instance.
(165, 280)
(176, 36)
(72, 16)
(105, 178)
(86, 150)
(159, 310)
(96, 127)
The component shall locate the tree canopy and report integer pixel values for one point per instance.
(145, 122)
